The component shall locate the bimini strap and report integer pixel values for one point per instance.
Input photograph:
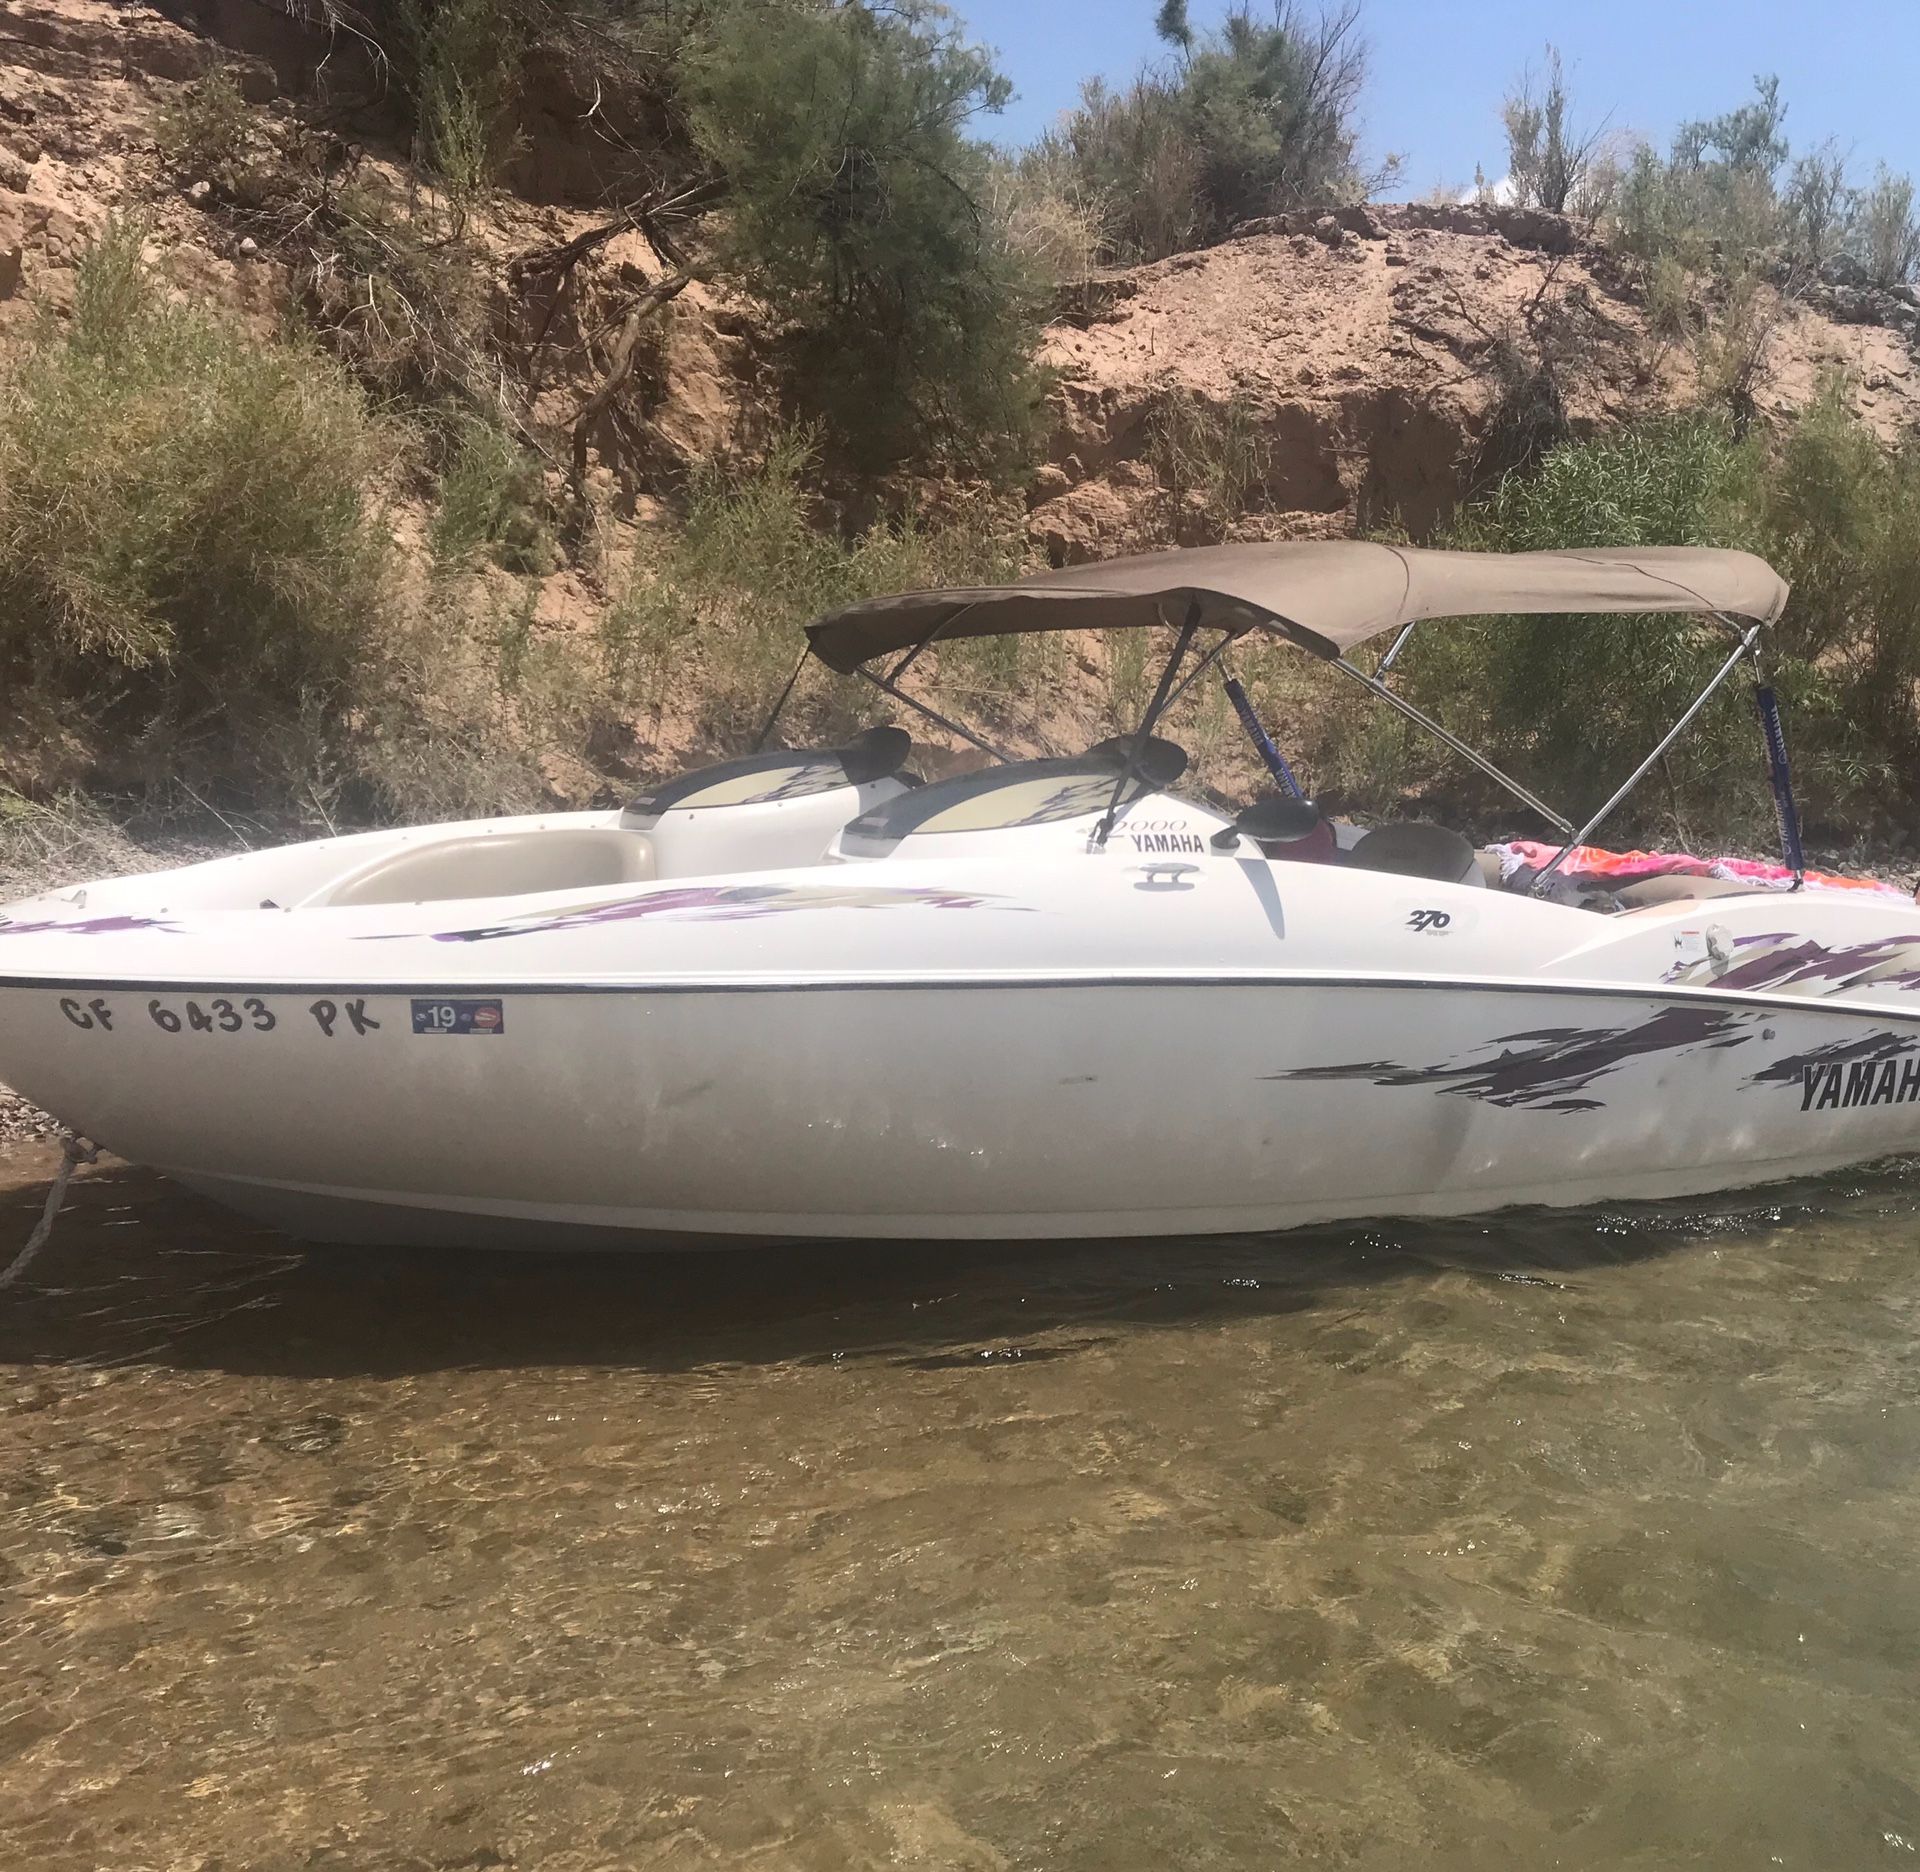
(1276, 761)
(1780, 773)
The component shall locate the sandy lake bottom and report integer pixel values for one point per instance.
(1580, 1539)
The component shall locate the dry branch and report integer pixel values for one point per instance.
(620, 367)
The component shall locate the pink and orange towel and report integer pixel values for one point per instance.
(1523, 859)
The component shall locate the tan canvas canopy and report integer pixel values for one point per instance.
(1326, 594)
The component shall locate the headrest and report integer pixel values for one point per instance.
(1161, 763)
(1416, 849)
(876, 755)
(1283, 827)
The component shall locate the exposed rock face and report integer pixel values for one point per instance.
(1362, 346)
(80, 90)
(1359, 350)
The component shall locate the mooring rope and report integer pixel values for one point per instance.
(76, 1151)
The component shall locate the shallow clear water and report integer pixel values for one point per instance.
(1562, 1540)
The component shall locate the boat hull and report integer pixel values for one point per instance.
(968, 1108)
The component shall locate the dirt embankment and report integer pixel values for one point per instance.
(83, 84)
(1366, 350)
(1361, 352)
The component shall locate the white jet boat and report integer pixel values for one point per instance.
(801, 994)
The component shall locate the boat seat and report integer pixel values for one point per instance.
(1023, 793)
(1678, 887)
(498, 864)
(784, 774)
(1413, 848)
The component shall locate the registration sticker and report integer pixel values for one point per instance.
(459, 1017)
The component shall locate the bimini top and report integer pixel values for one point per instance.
(1327, 595)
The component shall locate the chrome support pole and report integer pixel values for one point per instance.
(1393, 649)
(1743, 649)
(1453, 741)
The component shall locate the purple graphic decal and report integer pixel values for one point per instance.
(1546, 1069)
(1790, 961)
(728, 903)
(1873, 1049)
(87, 926)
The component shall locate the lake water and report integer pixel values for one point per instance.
(1576, 1540)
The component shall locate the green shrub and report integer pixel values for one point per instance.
(1816, 205)
(187, 553)
(1885, 231)
(1837, 515)
(1548, 161)
(1130, 152)
(1716, 206)
(1712, 201)
(466, 59)
(492, 498)
(1669, 300)
(1252, 119)
(1270, 104)
(1730, 349)
(854, 208)
(205, 130)
(1570, 704)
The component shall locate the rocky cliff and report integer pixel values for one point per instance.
(1370, 350)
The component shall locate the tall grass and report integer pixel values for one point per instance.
(466, 57)
(721, 611)
(1213, 460)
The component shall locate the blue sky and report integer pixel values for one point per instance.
(1848, 68)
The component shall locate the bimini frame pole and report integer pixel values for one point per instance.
(773, 714)
(890, 685)
(1745, 648)
(1393, 649)
(1453, 741)
(886, 685)
(1163, 693)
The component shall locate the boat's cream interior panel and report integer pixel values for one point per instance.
(497, 864)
